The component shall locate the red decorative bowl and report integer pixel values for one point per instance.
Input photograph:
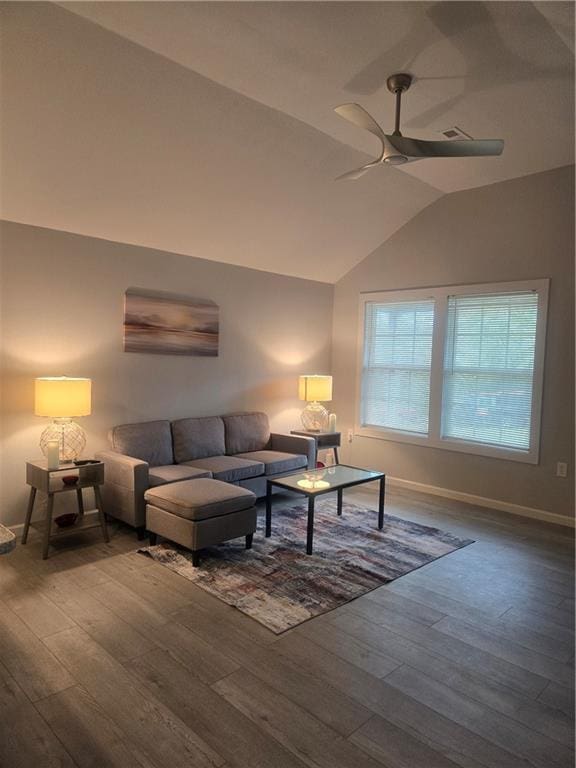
(70, 479)
(67, 520)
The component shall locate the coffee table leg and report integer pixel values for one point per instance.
(381, 503)
(268, 509)
(28, 514)
(310, 532)
(339, 501)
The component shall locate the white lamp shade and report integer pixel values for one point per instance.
(315, 388)
(62, 397)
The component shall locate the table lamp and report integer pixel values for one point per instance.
(61, 398)
(314, 389)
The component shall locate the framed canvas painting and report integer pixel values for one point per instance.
(162, 323)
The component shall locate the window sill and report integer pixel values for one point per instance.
(446, 444)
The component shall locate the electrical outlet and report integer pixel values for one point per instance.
(561, 469)
(350, 435)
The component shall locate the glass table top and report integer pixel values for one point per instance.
(327, 479)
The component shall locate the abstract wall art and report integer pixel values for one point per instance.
(161, 323)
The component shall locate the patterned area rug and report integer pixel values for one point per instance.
(281, 586)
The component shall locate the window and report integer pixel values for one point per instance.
(489, 368)
(456, 367)
(397, 356)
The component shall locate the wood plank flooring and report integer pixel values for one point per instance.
(109, 659)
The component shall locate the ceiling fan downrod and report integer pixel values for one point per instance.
(397, 84)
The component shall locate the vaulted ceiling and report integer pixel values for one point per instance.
(207, 128)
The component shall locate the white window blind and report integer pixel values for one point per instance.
(489, 368)
(396, 365)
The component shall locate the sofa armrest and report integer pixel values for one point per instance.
(124, 470)
(125, 481)
(300, 444)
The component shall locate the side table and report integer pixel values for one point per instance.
(50, 482)
(324, 440)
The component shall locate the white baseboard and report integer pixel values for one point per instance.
(482, 501)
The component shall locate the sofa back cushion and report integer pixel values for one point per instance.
(198, 438)
(149, 441)
(246, 432)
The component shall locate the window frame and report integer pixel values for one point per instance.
(434, 438)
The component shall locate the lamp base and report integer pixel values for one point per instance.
(70, 436)
(315, 417)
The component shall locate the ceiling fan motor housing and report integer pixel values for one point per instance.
(395, 159)
(399, 82)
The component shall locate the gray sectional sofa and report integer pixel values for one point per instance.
(237, 448)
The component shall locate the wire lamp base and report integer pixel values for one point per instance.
(315, 417)
(70, 436)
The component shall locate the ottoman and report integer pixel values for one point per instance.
(200, 513)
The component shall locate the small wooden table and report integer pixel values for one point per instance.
(325, 441)
(50, 482)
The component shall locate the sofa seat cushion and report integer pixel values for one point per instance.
(200, 499)
(276, 461)
(173, 473)
(229, 468)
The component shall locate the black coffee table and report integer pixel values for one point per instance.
(315, 482)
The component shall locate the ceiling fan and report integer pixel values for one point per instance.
(398, 149)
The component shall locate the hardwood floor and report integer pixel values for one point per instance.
(109, 659)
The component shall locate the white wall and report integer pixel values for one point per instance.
(105, 138)
(515, 230)
(61, 314)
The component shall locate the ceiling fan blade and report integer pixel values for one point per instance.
(419, 148)
(398, 149)
(356, 114)
(355, 174)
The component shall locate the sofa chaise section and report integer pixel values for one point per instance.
(236, 448)
(141, 457)
(200, 513)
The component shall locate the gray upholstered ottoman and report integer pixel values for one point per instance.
(200, 513)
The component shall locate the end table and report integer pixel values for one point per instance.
(51, 482)
(324, 440)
